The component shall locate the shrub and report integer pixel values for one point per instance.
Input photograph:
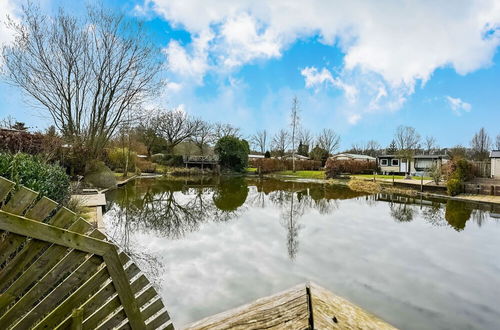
(335, 167)
(32, 172)
(454, 187)
(319, 154)
(267, 154)
(99, 175)
(117, 158)
(268, 165)
(168, 160)
(145, 166)
(435, 173)
(233, 153)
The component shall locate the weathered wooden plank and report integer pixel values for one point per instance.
(101, 314)
(146, 296)
(31, 249)
(9, 246)
(152, 309)
(45, 232)
(69, 284)
(158, 321)
(38, 269)
(122, 286)
(42, 209)
(98, 300)
(20, 201)
(5, 187)
(114, 319)
(63, 268)
(333, 312)
(77, 298)
(284, 310)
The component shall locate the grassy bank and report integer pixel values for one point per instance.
(380, 176)
(303, 174)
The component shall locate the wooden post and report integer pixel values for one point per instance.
(393, 178)
(421, 183)
(374, 176)
(77, 319)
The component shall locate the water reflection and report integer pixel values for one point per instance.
(175, 208)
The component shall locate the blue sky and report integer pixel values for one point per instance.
(361, 68)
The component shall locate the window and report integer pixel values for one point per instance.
(395, 162)
(384, 162)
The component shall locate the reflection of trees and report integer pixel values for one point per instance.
(457, 213)
(434, 214)
(402, 212)
(231, 194)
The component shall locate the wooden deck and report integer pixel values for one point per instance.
(306, 306)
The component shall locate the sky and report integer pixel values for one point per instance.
(361, 68)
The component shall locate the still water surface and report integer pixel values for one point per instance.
(221, 243)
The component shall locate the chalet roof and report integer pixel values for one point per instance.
(416, 156)
(354, 156)
(495, 154)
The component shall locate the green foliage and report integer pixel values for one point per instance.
(303, 149)
(320, 154)
(233, 153)
(168, 160)
(454, 187)
(32, 172)
(267, 154)
(99, 175)
(231, 194)
(457, 213)
(117, 159)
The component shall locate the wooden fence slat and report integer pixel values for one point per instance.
(99, 299)
(122, 286)
(146, 296)
(77, 298)
(102, 313)
(9, 245)
(42, 209)
(158, 321)
(114, 319)
(152, 309)
(21, 200)
(5, 187)
(40, 267)
(32, 248)
(49, 302)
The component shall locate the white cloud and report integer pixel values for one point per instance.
(9, 9)
(403, 43)
(458, 105)
(316, 79)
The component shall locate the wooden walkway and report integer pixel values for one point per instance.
(306, 306)
(58, 272)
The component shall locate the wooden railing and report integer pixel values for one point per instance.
(207, 159)
(58, 272)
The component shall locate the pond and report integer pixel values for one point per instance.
(215, 244)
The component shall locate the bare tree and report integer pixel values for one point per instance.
(176, 126)
(480, 144)
(281, 141)
(259, 139)
(407, 141)
(329, 140)
(203, 136)
(372, 148)
(430, 144)
(148, 128)
(497, 143)
(294, 123)
(222, 130)
(86, 72)
(306, 137)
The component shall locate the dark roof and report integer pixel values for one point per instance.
(495, 154)
(416, 156)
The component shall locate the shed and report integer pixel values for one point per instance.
(346, 156)
(495, 164)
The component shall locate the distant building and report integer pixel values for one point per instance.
(297, 157)
(346, 156)
(255, 157)
(495, 164)
(419, 164)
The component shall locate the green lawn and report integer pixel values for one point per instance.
(251, 169)
(379, 176)
(304, 174)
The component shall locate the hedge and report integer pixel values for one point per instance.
(268, 165)
(335, 167)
